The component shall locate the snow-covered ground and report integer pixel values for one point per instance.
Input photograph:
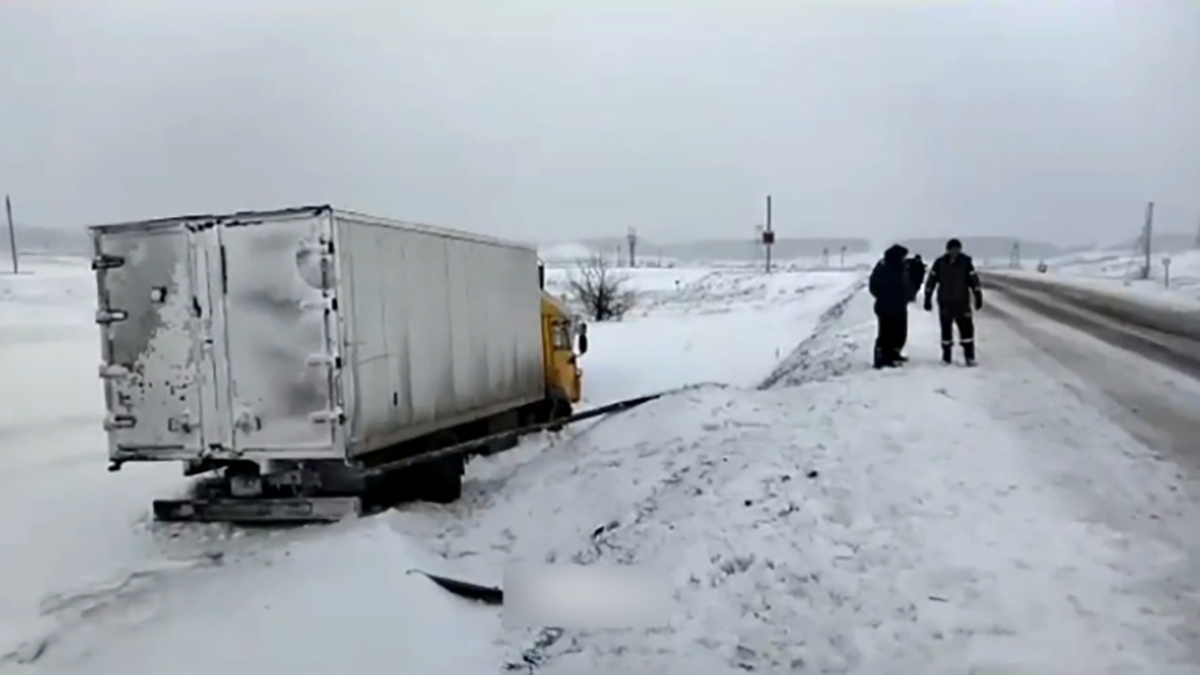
(703, 325)
(935, 520)
(930, 519)
(1181, 278)
(62, 519)
(100, 562)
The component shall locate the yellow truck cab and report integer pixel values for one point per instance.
(564, 377)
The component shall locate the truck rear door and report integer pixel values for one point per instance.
(151, 307)
(280, 316)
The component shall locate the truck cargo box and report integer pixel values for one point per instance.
(307, 333)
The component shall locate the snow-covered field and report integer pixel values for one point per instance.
(702, 325)
(930, 519)
(1181, 278)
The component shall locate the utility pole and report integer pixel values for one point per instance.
(1147, 236)
(632, 236)
(12, 235)
(1014, 258)
(768, 235)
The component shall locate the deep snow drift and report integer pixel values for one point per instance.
(932, 520)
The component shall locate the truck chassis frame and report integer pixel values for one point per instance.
(330, 491)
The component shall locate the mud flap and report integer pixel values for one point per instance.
(295, 510)
(488, 595)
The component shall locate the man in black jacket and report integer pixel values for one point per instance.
(954, 279)
(892, 291)
(916, 274)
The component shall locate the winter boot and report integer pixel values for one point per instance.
(947, 357)
(969, 353)
(881, 360)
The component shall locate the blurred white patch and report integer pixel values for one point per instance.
(578, 596)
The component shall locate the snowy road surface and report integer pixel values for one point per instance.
(1159, 404)
(934, 519)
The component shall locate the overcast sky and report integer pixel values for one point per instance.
(553, 119)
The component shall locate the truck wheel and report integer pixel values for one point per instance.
(558, 407)
(441, 481)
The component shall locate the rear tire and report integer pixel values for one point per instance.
(441, 481)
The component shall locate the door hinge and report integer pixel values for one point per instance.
(114, 422)
(113, 371)
(105, 317)
(107, 262)
(332, 416)
(323, 360)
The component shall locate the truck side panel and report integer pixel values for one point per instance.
(441, 328)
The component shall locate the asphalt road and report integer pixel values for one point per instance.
(1148, 382)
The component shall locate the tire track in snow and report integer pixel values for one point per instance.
(133, 597)
(68, 612)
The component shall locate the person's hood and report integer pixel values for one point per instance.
(896, 253)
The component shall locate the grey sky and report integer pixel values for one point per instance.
(544, 119)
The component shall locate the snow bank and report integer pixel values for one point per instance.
(1176, 315)
(888, 522)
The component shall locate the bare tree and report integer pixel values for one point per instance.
(603, 292)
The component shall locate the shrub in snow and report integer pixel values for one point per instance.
(602, 292)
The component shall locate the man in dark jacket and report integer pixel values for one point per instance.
(892, 291)
(915, 268)
(954, 279)
(916, 274)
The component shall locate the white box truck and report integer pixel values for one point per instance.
(294, 355)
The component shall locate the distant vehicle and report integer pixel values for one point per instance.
(318, 362)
